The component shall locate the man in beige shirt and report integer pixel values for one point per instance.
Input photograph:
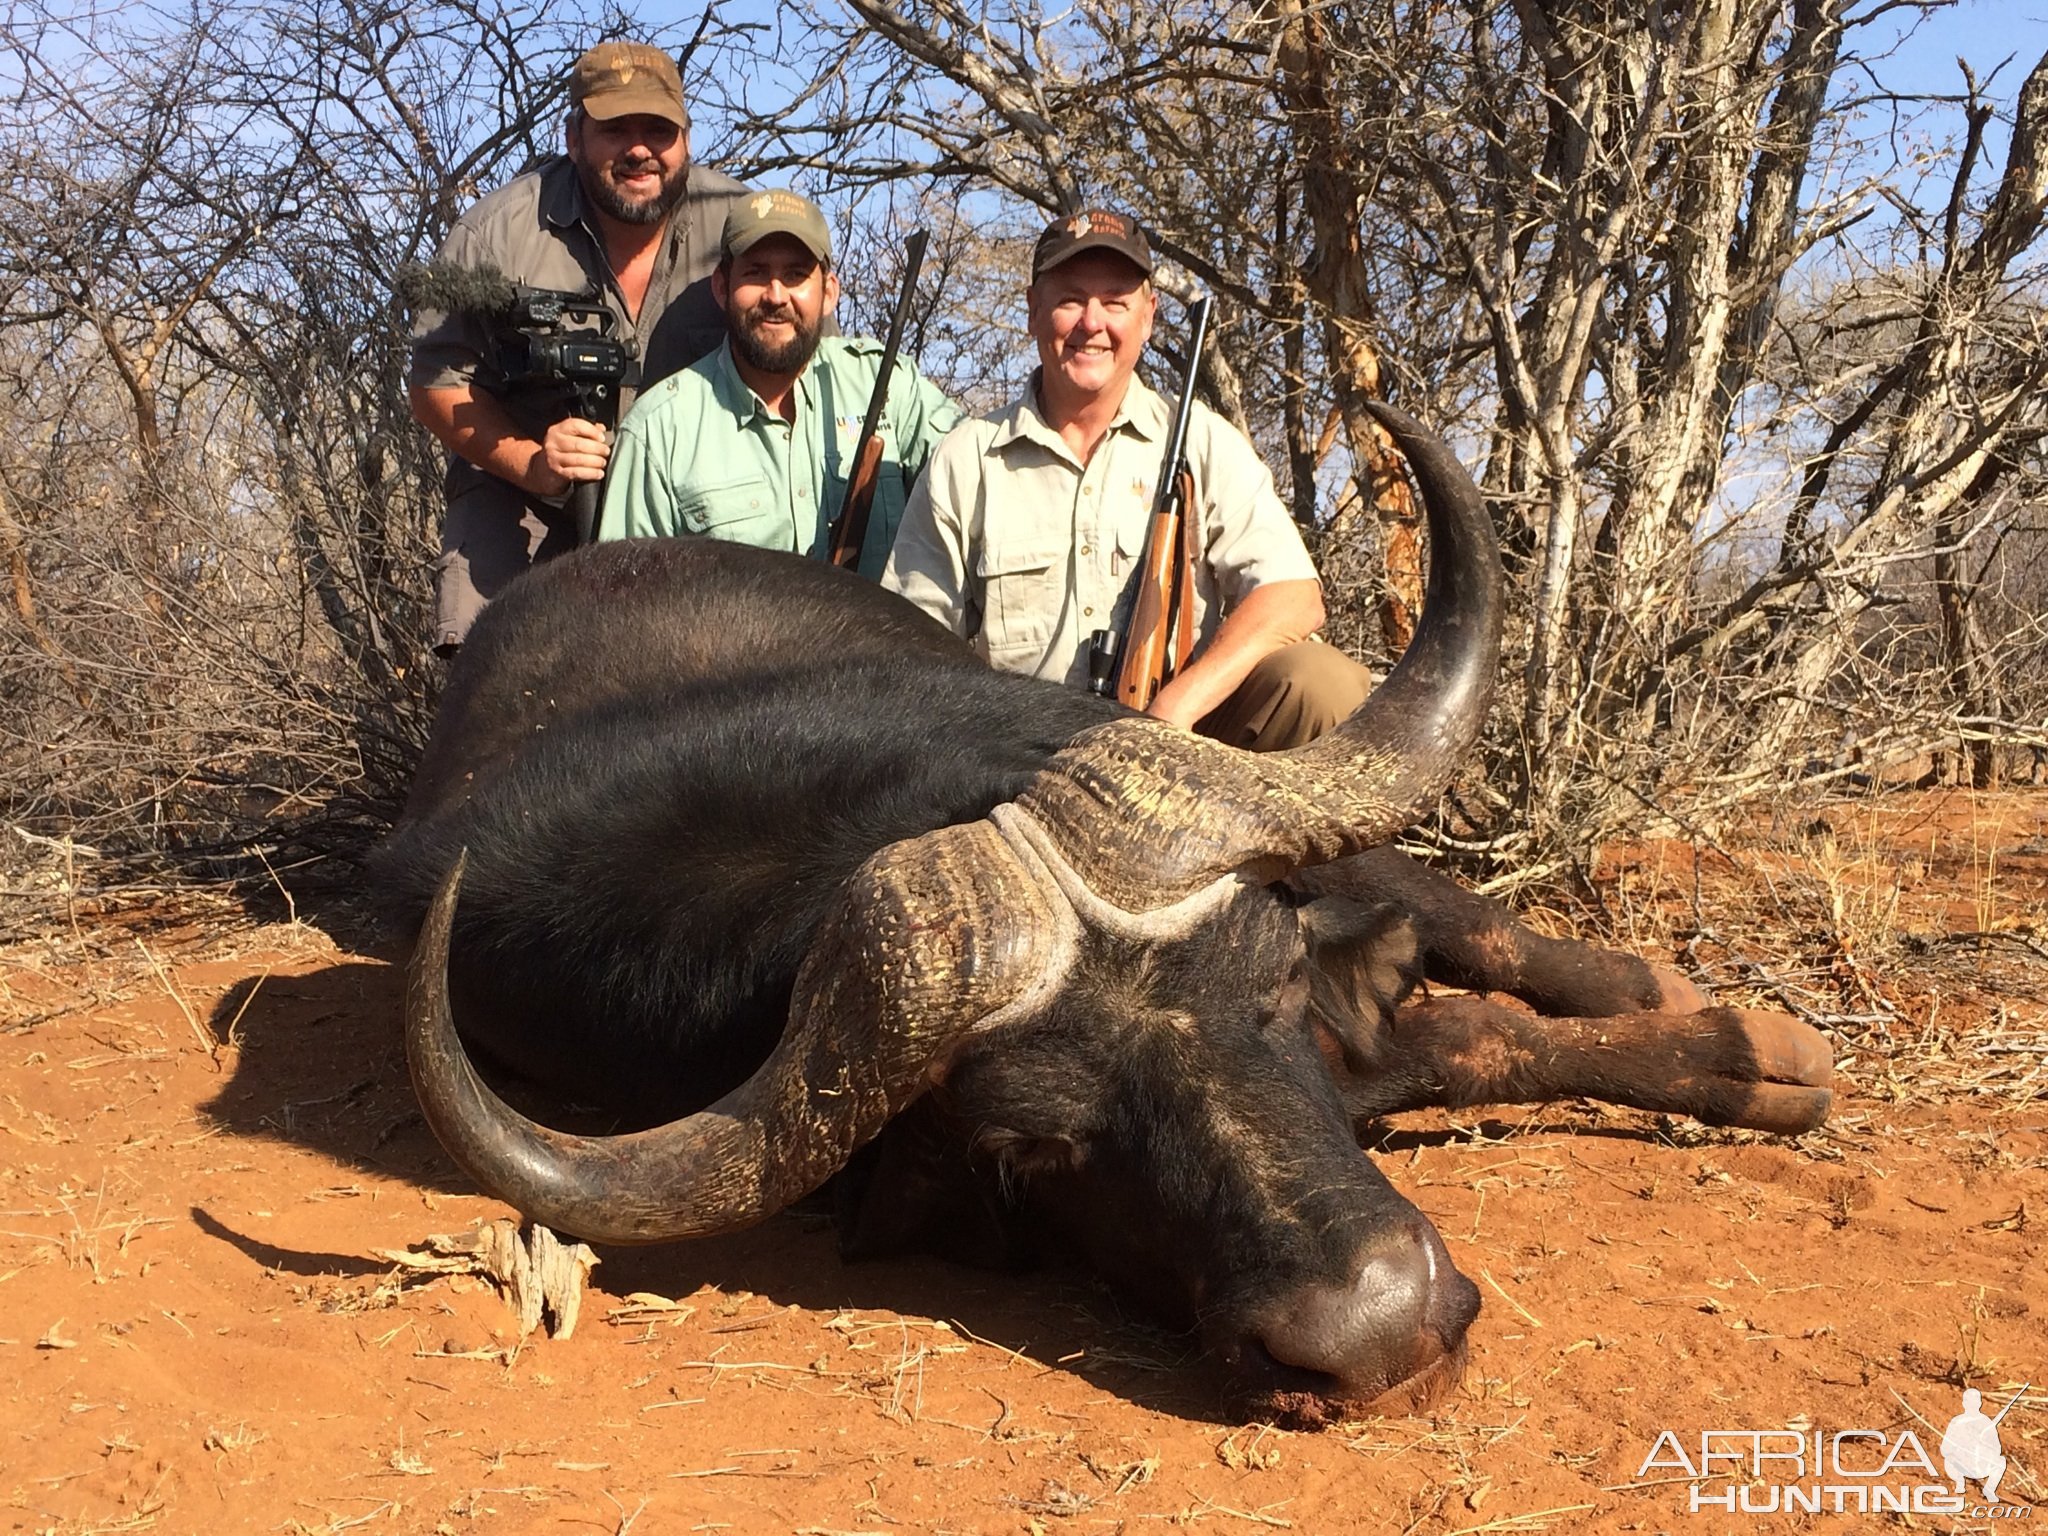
(1023, 533)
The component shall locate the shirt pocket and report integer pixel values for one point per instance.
(885, 515)
(1023, 589)
(1127, 537)
(740, 511)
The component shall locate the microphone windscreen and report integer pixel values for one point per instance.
(479, 290)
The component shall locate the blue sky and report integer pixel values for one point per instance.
(1983, 32)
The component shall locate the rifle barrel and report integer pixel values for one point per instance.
(844, 540)
(1177, 443)
(2009, 1402)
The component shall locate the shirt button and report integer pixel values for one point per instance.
(1087, 613)
(1086, 550)
(802, 494)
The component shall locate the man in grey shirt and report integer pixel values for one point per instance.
(623, 215)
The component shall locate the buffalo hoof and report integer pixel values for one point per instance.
(1675, 994)
(1779, 1075)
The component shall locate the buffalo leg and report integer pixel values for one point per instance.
(1725, 1066)
(1472, 941)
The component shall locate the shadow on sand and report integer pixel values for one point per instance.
(321, 1066)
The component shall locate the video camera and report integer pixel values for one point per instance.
(545, 339)
(551, 341)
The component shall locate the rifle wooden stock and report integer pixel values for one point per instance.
(850, 531)
(1161, 635)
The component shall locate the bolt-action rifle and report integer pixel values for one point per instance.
(850, 527)
(1158, 610)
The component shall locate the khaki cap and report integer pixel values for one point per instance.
(1092, 229)
(779, 212)
(620, 79)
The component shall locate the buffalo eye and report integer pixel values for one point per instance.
(1023, 1157)
(1289, 1000)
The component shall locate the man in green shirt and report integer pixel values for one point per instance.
(753, 442)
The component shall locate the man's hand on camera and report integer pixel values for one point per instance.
(574, 450)
(474, 425)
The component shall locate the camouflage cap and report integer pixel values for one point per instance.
(620, 79)
(779, 212)
(1092, 229)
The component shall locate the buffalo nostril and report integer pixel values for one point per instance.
(1403, 1308)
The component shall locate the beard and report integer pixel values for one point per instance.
(601, 183)
(783, 357)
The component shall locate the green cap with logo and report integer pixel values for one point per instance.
(621, 79)
(779, 212)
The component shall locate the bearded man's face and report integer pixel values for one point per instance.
(776, 295)
(634, 168)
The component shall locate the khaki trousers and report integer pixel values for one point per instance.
(1291, 697)
(492, 534)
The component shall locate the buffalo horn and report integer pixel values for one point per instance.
(1146, 814)
(933, 938)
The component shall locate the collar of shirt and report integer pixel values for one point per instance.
(565, 205)
(737, 395)
(1142, 412)
(562, 202)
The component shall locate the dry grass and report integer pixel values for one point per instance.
(88, 1234)
(1903, 927)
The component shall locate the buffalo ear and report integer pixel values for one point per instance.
(1363, 960)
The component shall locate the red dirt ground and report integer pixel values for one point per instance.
(206, 1146)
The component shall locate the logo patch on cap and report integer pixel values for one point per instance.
(1087, 230)
(776, 211)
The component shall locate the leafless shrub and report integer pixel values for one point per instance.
(216, 515)
(1759, 411)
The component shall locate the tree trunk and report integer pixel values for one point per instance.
(1333, 196)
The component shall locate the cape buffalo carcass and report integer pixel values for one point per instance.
(769, 867)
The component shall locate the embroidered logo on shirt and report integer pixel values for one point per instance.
(847, 429)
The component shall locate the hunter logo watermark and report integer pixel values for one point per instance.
(1845, 1471)
(1970, 1447)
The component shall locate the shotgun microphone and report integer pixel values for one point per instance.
(479, 290)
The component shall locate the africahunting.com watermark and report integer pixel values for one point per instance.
(1800, 1470)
